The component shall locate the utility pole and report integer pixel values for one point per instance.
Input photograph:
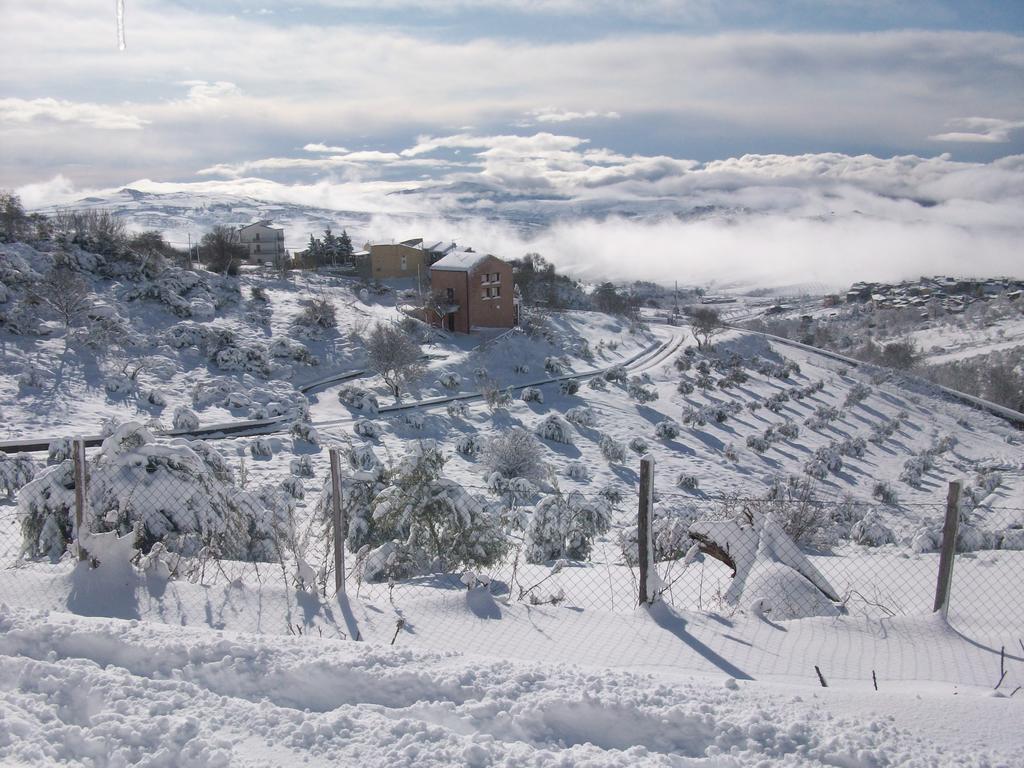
(188, 265)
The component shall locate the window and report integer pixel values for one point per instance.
(257, 237)
(259, 248)
(404, 262)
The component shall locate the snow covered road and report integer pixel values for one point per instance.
(107, 692)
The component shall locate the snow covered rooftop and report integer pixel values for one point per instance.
(459, 261)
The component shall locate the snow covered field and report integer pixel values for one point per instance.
(244, 655)
(105, 692)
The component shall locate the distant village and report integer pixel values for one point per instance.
(954, 294)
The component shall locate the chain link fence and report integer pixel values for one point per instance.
(169, 532)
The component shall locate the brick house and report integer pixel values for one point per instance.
(472, 290)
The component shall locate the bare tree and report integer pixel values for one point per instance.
(65, 292)
(220, 250)
(391, 353)
(705, 323)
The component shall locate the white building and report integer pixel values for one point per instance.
(264, 242)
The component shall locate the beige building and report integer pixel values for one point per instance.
(264, 242)
(383, 261)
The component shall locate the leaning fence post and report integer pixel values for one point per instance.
(81, 492)
(339, 538)
(643, 525)
(948, 550)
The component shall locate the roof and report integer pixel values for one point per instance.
(261, 223)
(460, 261)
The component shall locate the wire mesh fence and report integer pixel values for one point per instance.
(170, 532)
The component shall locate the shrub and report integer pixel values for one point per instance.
(358, 399)
(394, 356)
(318, 312)
(569, 386)
(450, 380)
(16, 471)
(457, 409)
(366, 428)
(617, 374)
(599, 383)
(640, 392)
(531, 395)
(184, 419)
(871, 531)
(885, 493)
(639, 445)
(301, 466)
(857, 394)
(581, 415)
(854, 447)
(564, 526)
(261, 448)
(758, 443)
(684, 387)
(555, 428)
(613, 450)
(666, 430)
(514, 453)
(788, 430)
(470, 445)
(577, 470)
(687, 482)
(683, 363)
(554, 366)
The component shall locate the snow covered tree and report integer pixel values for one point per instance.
(393, 355)
(65, 292)
(440, 526)
(564, 526)
(515, 453)
(221, 251)
(182, 495)
(705, 323)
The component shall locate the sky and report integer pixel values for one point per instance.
(910, 113)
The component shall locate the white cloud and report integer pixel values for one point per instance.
(53, 110)
(989, 130)
(551, 115)
(321, 147)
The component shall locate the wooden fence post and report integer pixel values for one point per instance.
(81, 492)
(948, 550)
(336, 523)
(643, 524)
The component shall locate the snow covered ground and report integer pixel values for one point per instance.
(106, 692)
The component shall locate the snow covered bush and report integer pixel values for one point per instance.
(554, 366)
(556, 429)
(883, 430)
(58, 450)
(450, 380)
(16, 470)
(155, 398)
(184, 419)
(639, 446)
(871, 531)
(577, 470)
(440, 526)
(616, 374)
(730, 453)
(366, 428)
(598, 383)
(515, 453)
(531, 395)
(495, 396)
(293, 487)
(288, 349)
(753, 406)
(469, 445)
(684, 387)
(683, 363)
(613, 451)
(304, 430)
(514, 492)
(260, 448)
(520, 368)
(640, 392)
(181, 494)
(788, 430)
(317, 312)
(854, 447)
(301, 466)
(694, 417)
(358, 399)
(564, 526)
(569, 386)
(581, 416)
(758, 443)
(687, 482)
(826, 459)
(775, 402)
(885, 493)
(457, 410)
(666, 430)
(858, 393)
(33, 377)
